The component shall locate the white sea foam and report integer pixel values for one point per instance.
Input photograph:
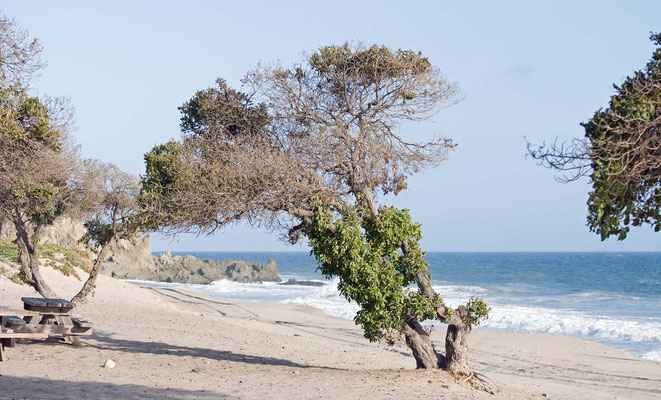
(603, 296)
(509, 317)
(327, 299)
(653, 355)
(539, 319)
(528, 318)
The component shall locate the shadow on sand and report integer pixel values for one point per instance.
(39, 388)
(133, 346)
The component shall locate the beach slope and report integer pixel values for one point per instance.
(173, 344)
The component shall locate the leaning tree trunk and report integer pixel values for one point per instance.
(25, 261)
(418, 340)
(39, 283)
(30, 248)
(90, 283)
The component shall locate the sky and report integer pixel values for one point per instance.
(526, 69)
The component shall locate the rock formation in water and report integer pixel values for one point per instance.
(133, 259)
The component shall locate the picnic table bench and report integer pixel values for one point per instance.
(8, 339)
(39, 319)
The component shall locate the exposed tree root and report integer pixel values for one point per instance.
(476, 381)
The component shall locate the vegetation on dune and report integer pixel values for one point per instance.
(59, 258)
(9, 251)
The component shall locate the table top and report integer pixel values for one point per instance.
(41, 302)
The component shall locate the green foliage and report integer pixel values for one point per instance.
(9, 251)
(163, 173)
(625, 138)
(478, 311)
(366, 255)
(370, 64)
(38, 199)
(69, 258)
(27, 132)
(24, 119)
(61, 258)
(19, 278)
(100, 233)
(222, 112)
(161, 168)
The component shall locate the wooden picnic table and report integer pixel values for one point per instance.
(40, 318)
(53, 316)
(46, 316)
(53, 306)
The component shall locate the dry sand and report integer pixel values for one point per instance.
(172, 344)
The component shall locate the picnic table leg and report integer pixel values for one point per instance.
(3, 322)
(3, 357)
(33, 319)
(65, 320)
(30, 320)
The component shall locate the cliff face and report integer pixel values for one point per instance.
(133, 259)
(64, 232)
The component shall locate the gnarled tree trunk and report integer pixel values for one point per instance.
(418, 340)
(25, 261)
(28, 249)
(456, 339)
(456, 344)
(90, 283)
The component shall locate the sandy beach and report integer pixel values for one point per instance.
(173, 344)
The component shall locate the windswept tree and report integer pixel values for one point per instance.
(306, 150)
(41, 176)
(111, 201)
(36, 157)
(620, 153)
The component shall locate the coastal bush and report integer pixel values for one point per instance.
(59, 258)
(9, 250)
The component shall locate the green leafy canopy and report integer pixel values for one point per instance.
(625, 139)
(373, 271)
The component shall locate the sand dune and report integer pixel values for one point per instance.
(173, 344)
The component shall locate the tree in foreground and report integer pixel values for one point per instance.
(620, 153)
(306, 150)
(35, 153)
(41, 175)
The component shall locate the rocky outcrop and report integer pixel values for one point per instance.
(296, 282)
(133, 259)
(65, 232)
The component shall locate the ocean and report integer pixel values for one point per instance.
(612, 298)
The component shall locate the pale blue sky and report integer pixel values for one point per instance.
(524, 67)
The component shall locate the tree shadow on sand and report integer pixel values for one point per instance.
(159, 348)
(52, 389)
